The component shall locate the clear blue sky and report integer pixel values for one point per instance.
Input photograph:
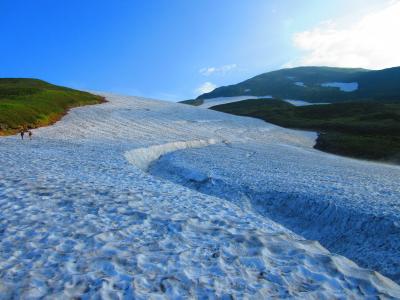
(156, 48)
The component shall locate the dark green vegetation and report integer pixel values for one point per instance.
(30, 103)
(368, 130)
(372, 85)
(194, 102)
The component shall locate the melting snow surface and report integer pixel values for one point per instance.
(224, 100)
(350, 206)
(299, 83)
(302, 102)
(80, 218)
(142, 157)
(343, 86)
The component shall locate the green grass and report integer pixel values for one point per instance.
(30, 103)
(368, 130)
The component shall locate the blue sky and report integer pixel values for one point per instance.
(174, 49)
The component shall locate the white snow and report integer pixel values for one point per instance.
(142, 157)
(224, 100)
(77, 219)
(302, 102)
(351, 206)
(299, 83)
(343, 86)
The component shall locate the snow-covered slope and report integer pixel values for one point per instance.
(352, 207)
(302, 102)
(225, 100)
(207, 103)
(77, 219)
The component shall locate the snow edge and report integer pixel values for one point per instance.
(143, 157)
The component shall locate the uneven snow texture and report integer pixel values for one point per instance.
(350, 206)
(343, 86)
(78, 220)
(142, 157)
(225, 100)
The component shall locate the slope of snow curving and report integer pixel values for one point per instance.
(78, 220)
(142, 157)
(352, 207)
(343, 86)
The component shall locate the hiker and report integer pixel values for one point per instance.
(30, 134)
(22, 134)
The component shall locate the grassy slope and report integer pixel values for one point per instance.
(30, 103)
(368, 130)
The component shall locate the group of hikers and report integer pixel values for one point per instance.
(23, 131)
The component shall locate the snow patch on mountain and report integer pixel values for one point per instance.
(299, 83)
(343, 86)
(302, 102)
(225, 100)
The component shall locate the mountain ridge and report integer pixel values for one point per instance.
(313, 84)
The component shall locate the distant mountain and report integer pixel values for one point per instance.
(318, 84)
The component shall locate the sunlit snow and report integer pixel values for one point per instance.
(80, 218)
(225, 100)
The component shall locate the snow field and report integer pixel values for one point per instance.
(77, 219)
(350, 206)
(224, 100)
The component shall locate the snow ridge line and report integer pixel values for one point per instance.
(143, 157)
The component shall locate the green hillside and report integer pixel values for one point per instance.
(305, 83)
(30, 103)
(368, 130)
